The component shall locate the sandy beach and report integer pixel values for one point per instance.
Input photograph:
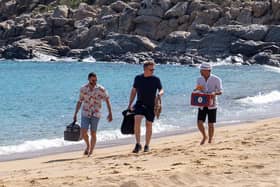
(246, 154)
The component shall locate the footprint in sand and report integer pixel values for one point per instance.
(115, 172)
(227, 172)
(258, 166)
(177, 164)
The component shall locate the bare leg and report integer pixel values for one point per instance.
(85, 137)
(92, 142)
(137, 127)
(202, 130)
(210, 131)
(149, 131)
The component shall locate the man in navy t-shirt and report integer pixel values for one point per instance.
(146, 86)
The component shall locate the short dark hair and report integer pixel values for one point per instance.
(92, 74)
(148, 63)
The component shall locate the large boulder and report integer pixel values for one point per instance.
(266, 58)
(250, 32)
(163, 29)
(116, 44)
(208, 17)
(86, 37)
(84, 11)
(175, 41)
(260, 8)
(119, 6)
(245, 16)
(155, 10)
(22, 49)
(247, 48)
(176, 11)
(275, 5)
(147, 26)
(61, 11)
(126, 21)
(111, 22)
(273, 34)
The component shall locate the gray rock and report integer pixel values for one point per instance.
(163, 30)
(111, 22)
(175, 41)
(84, 11)
(86, 22)
(116, 44)
(178, 10)
(79, 53)
(135, 5)
(273, 34)
(202, 29)
(61, 11)
(208, 17)
(275, 5)
(104, 2)
(250, 32)
(126, 21)
(260, 8)
(245, 16)
(247, 48)
(87, 37)
(265, 58)
(53, 40)
(234, 12)
(22, 49)
(147, 26)
(119, 6)
(216, 43)
(155, 11)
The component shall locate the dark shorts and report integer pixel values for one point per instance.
(211, 113)
(146, 111)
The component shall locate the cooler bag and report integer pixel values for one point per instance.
(72, 132)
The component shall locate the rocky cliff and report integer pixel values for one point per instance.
(168, 31)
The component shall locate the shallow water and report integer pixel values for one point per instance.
(38, 99)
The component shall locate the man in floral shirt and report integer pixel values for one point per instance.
(91, 97)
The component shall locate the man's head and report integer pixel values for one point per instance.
(92, 78)
(205, 69)
(149, 67)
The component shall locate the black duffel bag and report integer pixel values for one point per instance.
(72, 132)
(127, 126)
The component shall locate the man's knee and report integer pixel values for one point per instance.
(200, 122)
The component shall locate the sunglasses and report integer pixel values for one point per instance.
(151, 69)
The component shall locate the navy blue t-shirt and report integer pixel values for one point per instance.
(146, 89)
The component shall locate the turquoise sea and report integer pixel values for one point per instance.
(37, 100)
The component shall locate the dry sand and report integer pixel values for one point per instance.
(242, 155)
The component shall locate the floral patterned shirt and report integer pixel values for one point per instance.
(92, 100)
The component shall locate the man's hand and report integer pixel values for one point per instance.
(110, 117)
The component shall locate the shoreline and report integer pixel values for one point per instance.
(129, 140)
(246, 154)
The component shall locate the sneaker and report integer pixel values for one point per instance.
(146, 148)
(137, 148)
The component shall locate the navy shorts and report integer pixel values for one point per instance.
(211, 113)
(146, 111)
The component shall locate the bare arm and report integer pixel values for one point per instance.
(78, 106)
(132, 97)
(110, 116)
(161, 92)
(218, 93)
